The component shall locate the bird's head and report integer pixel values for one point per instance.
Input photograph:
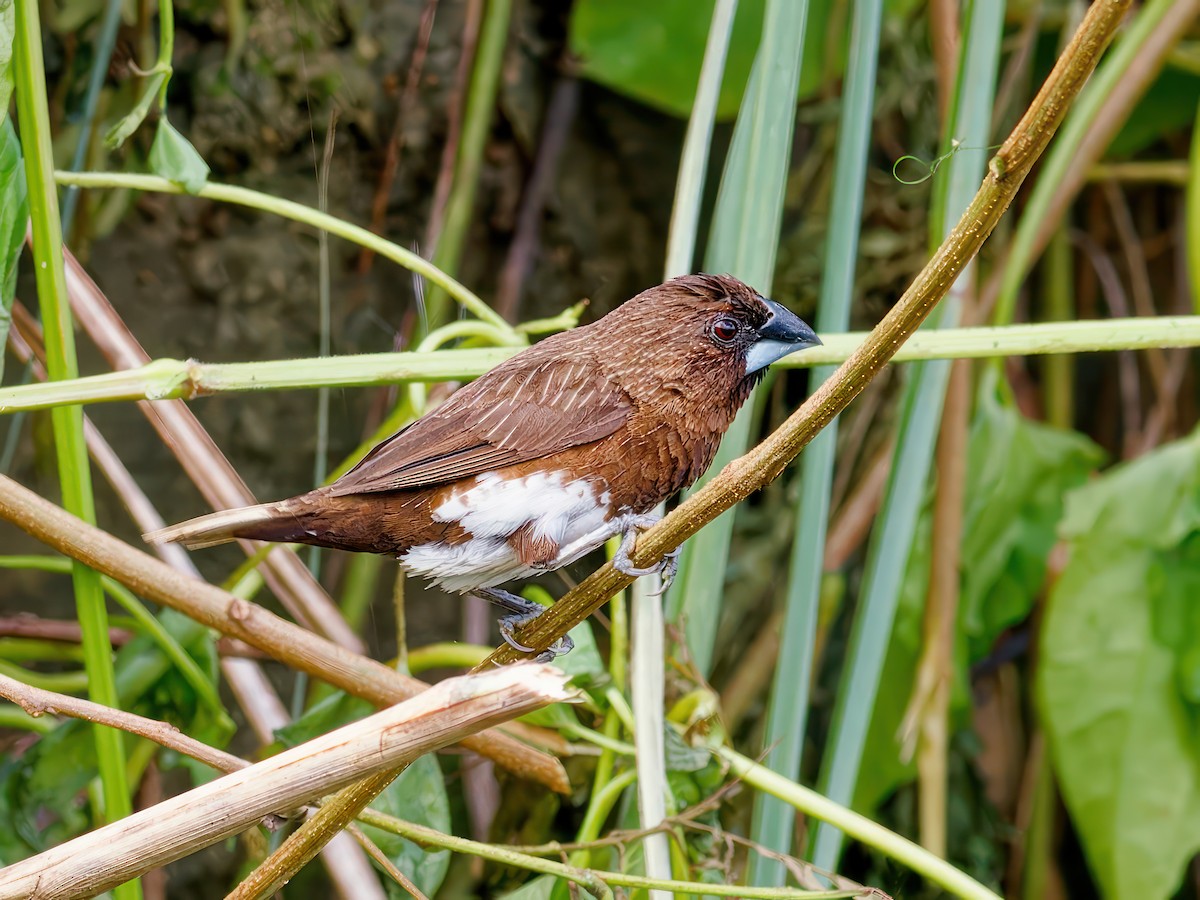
(715, 328)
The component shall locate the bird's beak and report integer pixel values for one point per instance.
(783, 333)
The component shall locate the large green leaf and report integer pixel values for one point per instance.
(1116, 680)
(1018, 471)
(14, 211)
(653, 51)
(418, 795)
(7, 27)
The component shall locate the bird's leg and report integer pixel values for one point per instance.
(522, 612)
(666, 568)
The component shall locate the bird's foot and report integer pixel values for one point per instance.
(522, 612)
(666, 568)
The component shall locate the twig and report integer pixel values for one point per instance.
(31, 626)
(248, 622)
(1006, 171)
(391, 159)
(560, 114)
(37, 702)
(152, 837)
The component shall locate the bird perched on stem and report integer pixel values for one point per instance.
(544, 458)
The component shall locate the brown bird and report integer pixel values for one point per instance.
(543, 459)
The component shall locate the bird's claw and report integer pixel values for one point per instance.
(509, 624)
(522, 612)
(666, 568)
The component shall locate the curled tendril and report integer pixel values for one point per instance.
(930, 168)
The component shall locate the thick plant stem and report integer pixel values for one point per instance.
(70, 449)
(1006, 172)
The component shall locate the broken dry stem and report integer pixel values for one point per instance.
(153, 837)
(38, 702)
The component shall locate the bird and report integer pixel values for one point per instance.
(572, 441)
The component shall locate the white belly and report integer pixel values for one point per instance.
(567, 512)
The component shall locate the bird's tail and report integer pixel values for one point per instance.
(220, 527)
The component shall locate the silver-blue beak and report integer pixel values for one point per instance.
(783, 333)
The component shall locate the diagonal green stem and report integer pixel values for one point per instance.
(298, 212)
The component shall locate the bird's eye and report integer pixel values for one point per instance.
(724, 329)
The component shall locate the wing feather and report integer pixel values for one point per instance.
(520, 411)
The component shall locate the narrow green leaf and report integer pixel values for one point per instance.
(921, 413)
(70, 451)
(14, 213)
(119, 133)
(744, 239)
(173, 157)
(1116, 674)
(787, 715)
(1192, 219)
(7, 27)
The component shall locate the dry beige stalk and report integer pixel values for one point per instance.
(248, 622)
(349, 869)
(204, 462)
(446, 713)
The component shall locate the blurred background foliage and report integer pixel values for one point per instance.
(1063, 760)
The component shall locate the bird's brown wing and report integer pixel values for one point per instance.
(518, 412)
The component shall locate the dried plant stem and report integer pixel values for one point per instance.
(248, 622)
(37, 702)
(208, 468)
(1006, 172)
(446, 713)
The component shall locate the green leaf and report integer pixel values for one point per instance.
(653, 51)
(1018, 472)
(1166, 108)
(8, 12)
(1116, 680)
(119, 133)
(173, 157)
(541, 888)
(14, 212)
(418, 795)
(336, 710)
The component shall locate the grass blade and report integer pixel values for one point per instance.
(787, 715)
(921, 414)
(745, 236)
(71, 452)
